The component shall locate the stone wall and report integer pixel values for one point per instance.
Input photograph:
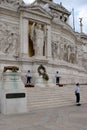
(62, 49)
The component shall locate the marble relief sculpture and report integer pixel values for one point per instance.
(38, 38)
(61, 50)
(54, 49)
(8, 43)
(55, 44)
(64, 50)
(14, 2)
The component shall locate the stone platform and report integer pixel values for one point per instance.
(60, 118)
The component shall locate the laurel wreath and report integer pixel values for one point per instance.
(42, 71)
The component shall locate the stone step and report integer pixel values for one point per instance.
(45, 97)
(50, 102)
(53, 97)
(35, 107)
(51, 105)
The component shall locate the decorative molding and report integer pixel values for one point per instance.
(37, 10)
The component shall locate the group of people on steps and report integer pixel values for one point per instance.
(57, 76)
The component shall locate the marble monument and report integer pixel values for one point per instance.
(39, 33)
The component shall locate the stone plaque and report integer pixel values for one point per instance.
(15, 95)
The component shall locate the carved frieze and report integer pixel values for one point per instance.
(64, 49)
(14, 3)
(55, 46)
(9, 38)
(69, 50)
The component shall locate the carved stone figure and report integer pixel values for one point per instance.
(8, 38)
(54, 49)
(14, 49)
(37, 36)
(72, 56)
(61, 49)
(65, 53)
(8, 44)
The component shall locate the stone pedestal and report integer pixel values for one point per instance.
(41, 82)
(13, 94)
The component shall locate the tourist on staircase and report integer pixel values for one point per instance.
(28, 75)
(77, 93)
(57, 78)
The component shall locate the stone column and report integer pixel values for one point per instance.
(48, 51)
(24, 38)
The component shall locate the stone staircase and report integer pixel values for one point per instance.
(48, 97)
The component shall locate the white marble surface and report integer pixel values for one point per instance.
(16, 24)
(12, 83)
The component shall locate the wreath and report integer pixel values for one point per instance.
(42, 71)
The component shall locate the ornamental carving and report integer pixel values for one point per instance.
(64, 49)
(54, 47)
(69, 51)
(11, 2)
(38, 37)
(8, 38)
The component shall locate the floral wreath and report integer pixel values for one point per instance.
(42, 71)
